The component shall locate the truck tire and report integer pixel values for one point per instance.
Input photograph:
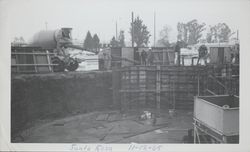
(60, 67)
(72, 65)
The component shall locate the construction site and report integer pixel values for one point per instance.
(168, 97)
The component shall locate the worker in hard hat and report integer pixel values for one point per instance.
(178, 51)
(101, 60)
(150, 57)
(143, 57)
(203, 52)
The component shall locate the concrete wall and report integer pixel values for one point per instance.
(52, 95)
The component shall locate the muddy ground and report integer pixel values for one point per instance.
(111, 127)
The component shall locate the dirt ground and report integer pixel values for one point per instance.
(112, 127)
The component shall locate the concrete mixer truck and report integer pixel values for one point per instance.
(59, 41)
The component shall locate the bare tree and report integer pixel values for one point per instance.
(164, 36)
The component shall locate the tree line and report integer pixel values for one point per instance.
(91, 43)
(189, 33)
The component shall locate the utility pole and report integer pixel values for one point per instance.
(154, 30)
(132, 29)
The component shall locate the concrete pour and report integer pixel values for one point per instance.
(111, 127)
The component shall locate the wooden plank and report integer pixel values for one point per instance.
(158, 88)
(144, 132)
(32, 53)
(33, 64)
(35, 61)
(49, 61)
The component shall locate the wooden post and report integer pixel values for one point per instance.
(163, 57)
(182, 60)
(224, 139)
(138, 101)
(198, 83)
(142, 83)
(128, 95)
(198, 136)
(158, 88)
(174, 95)
(194, 131)
(194, 135)
(116, 86)
(17, 62)
(169, 58)
(229, 85)
(49, 61)
(35, 62)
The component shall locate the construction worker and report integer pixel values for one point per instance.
(178, 50)
(66, 33)
(143, 57)
(107, 60)
(150, 57)
(202, 54)
(101, 60)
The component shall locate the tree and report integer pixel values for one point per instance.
(195, 31)
(121, 39)
(140, 33)
(114, 42)
(88, 42)
(22, 39)
(120, 42)
(19, 40)
(96, 42)
(219, 33)
(164, 36)
(182, 32)
(209, 37)
(190, 32)
(224, 32)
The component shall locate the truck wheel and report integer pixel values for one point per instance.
(60, 67)
(72, 65)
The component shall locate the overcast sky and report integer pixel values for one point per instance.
(27, 17)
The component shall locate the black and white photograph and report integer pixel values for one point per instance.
(124, 72)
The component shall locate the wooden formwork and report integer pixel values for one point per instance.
(31, 60)
(172, 86)
(224, 79)
(161, 86)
